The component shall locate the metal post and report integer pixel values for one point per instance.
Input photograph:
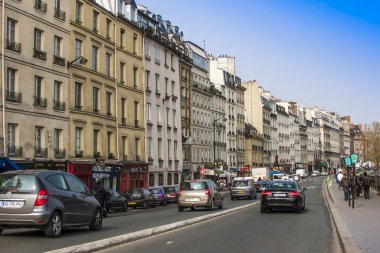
(214, 145)
(349, 188)
(354, 186)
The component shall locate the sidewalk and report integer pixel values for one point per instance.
(358, 228)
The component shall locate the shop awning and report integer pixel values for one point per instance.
(6, 165)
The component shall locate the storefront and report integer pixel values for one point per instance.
(42, 165)
(87, 173)
(133, 175)
(7, 164)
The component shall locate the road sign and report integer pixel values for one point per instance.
(347, 161)
(354, 158)
(202, 171)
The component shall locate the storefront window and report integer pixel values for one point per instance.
(160, 179)
(170, 179)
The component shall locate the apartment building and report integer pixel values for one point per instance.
(283, 126)
(35, 83)
(253, 147)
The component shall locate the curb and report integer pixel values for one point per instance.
(347, 242)
(121, 239)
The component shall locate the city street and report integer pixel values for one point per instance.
(277, 231)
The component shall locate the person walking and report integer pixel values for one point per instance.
(345, 183)
(339, 179)
(366, 185)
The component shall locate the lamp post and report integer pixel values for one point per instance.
(82, 61)
(215, 120)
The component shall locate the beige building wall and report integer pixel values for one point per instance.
(252, 105)
(36, 116)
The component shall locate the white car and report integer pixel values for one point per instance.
(296, 177)
(315, 174)
(323, 173)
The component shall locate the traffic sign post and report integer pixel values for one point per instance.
(347, 163)
(354, 159)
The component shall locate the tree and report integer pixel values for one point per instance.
(372, 136)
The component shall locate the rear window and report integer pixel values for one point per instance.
(194, 186)
(18, 184)
(262, 182)
(133, 192)
(281, 185)
(170, 189)
(155, 191)
(240, 183)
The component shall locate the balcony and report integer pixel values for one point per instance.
(40, 152)
(40, 102)
(41, 6)
(123, 121)
(58, 60)
(59, 106)
(125, 158)
(108, 37)
(59, 153)
(95, 30)
(59, 14)
(78, 107)
(79, 153)
(13, 96)
(14, 151)
(95, 110)
(109, 114)
(78, 21)
(14, 46)
(39, 54)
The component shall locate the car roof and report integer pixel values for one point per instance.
(32, 172)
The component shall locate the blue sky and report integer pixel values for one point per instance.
(316, 52)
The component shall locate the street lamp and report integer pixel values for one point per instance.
(82, 61)
(215, 120)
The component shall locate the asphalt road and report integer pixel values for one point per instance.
(34, 241)
(250, 231)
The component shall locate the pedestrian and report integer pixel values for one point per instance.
(359, 183)
(366, 185)
(259, 179)
(339, 179)
(345, 185)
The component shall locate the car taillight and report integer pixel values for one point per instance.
(179, 192)
(294, 194)
(42, 198)
(208, 192)
(172, 194)
(265, 193)
(162, 196)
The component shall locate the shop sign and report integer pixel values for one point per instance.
(131, 168)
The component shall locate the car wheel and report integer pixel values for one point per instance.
(212, 205)
(154, 204)
(221, 205)
(54, 227)
(304, 205)
(1, 230)
(180, 209)
(299, 210)
(163, 203)
(134, 207)
(125, 207)
(144, 205)
(97, 221)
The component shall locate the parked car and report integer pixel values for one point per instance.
(323, 173)
(46, 200)
(243, 188)
(260, 185)
(117, 201)
(284, 195)
(159, 195)
(140, 197)
(315, 174)
(199, 193)
(296, 177)
(171, 194)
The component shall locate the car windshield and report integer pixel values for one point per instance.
(262, 182)
(194, 186)
(18, 183)
(155, 191)
(170, 189)
(133, 192)
(280, 185)
(240, 183)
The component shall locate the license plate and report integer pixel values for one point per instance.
(131, 203)
(192, 199)
(279, 194)
(11, 204)
(240, 191)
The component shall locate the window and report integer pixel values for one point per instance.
(157, 55)
(124, 147)
(57, 138)
(94, 58)
(75, 185)
(167, 115)
(147, 77)
(38, 137)
(169, 149)
(58, 181)
(57, 91)
(174, 115)
(108, 103)
(169, 179)
(149, 151)
(38, 86)
(158, 109)
(166, 59)
(148, 113)
(157, 82)
(78, 95)
(78, 12)
(96, 144)
(147, 49)
(175, 150)
(78, 50)
(166, 85)
(57, 46)
(11, 80)
(176, 178)
(173, 86)
(57, 4)
(109, 138)
(160, 179)
(11, 30)
(137, 148)
(151, 179)
(123, 102)
(159, 146)
(122, 33)
(95, 15)
(108, 28)
(108, 64)
(122, 70)
(136, 104)
(172, 61)
(12, 128)
(134, 44)
(135, 73)
(78, 140)
(95, 99)
(38, 39)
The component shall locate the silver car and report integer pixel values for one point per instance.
(243, 188)
(199, 193)
(46, 200)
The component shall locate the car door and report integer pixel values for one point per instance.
(217, 193)
(116, 199)
(84, 206)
